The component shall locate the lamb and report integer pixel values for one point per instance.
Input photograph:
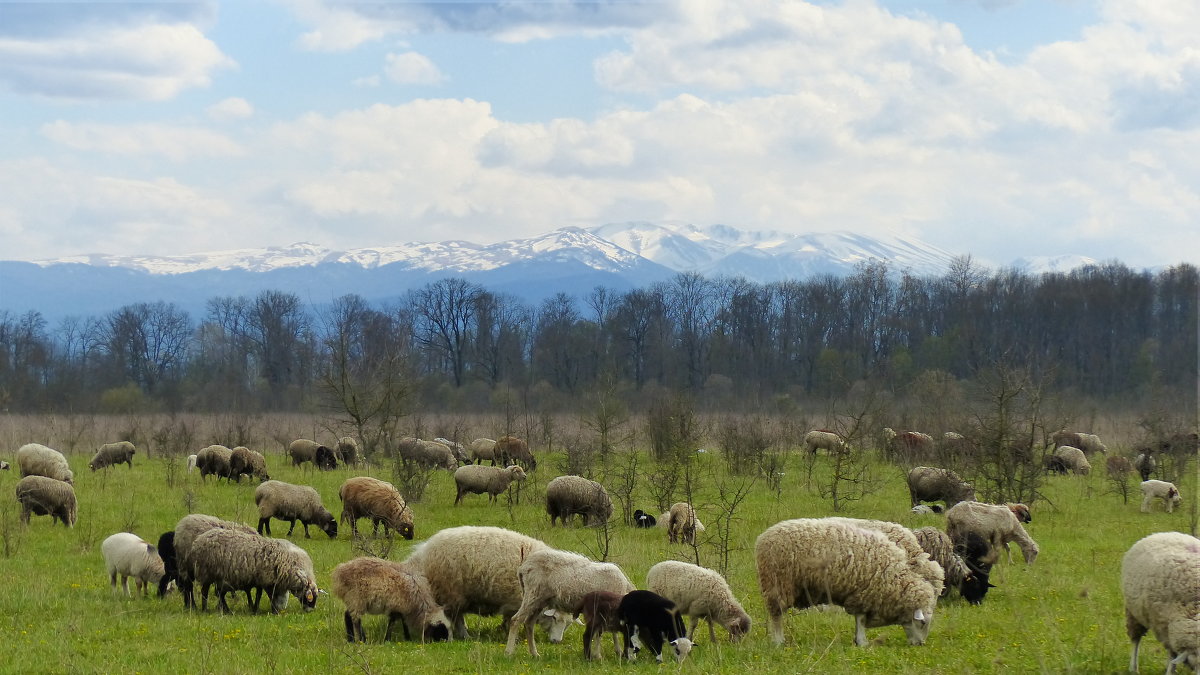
(191, 462)
(476, 479)
(514, 449)
(700, 593)
(304, 450)
(1160, 579)
(971, 581)
(643, 519)
(473, 570)
(42, 496)
(127, 555)
(186, 531)
(456, 449)
(650, 619)
(599, 617)
(1145, 464)
(374, 586)
(120, 452)
(246, 462)
(995, 523)
(276, 499)
(35, 459)
(233, 560)
(807, 562)
(346, 451)
(569, 495)
(366, 497)
(553, 579)
(427, 453)
(214, 459)
(930, 484)
(823, 439)
(1160, 489)
(1073, 460)
(681, 523)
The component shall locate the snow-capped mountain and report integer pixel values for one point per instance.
(1041, 264)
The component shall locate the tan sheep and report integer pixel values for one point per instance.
(366, 497)
(477, 479)
(120, 452)
(246, 462)
(570, 495)
(34, 459)
(42, 496)
(276, 499)
(700, 593)
(681, 523)
(396, 590)
(995, 523)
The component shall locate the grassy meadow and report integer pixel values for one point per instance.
(57, 613)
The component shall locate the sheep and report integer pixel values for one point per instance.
(366, 497)
(120, 452)
(473, 570)
(4, 465)
(186, 531)
(910, 444)
(903, 537)
(481, 449)
(276, 499)
(304, 450)
(954, 444)
(374, 586)
(700, 593)
(233, 560)
(806, 562)
(346, 451)
(514, 449)
(681, 523)
(166, 551)
(643, 519)
(553, 579)
(665, 519)
(1160, 489)
(214, 459)
(600, 616)
(1073, 460)
(1145, 464)
(650, 619)
(42, 496)
(823, 439)
(476, 479)
(1087, 443)
(34, 459)
(427, 454)
(569, 495)
(127, 555)
(191, 462)
(930, 484)
(996, 523)
(971, 581)
(1118, 467)
(927, 509)
(1160, 581)
(456, 449)
(246, 462)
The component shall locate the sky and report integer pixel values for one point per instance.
(998, 128)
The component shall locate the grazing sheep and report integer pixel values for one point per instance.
(1118, 467)
(233, 560)
(34, 459)
(481, 449)
(1145, 464)
(910, 445)
(186, 531)
(806, 562)
(903, 537)
(665, 519)
(276, 499)
(426, 453)
(246, 462)
(700, 593)
(649, 619)
(600, 617)
(304, 450)
(1160, 489)
(930, 484)
(823, 439)
(120, 452)
(127, 555)
(996, 523)
(553, 579)
(191, 462)
(1088, 443)
(970, 582)
(456, 449)
(954, 444)
(681, 523)
(375, 586)
(166, 551)
(927, 509)
(569, 495)
(366, 497)
(476, 479)
(214, 459)
(346, 451)
(1073, 460)
(3, 465)
(1160, 579)
(514, 449)
(42, 496)
(473, 570)
(643, 519)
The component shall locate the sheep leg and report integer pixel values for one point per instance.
(860, 630)
(1135, 630)
(125, 584)
(458, 497)
(292, 522)
(204, 597)
(112, 581)
(306, 535)
(264, 526)
(588, 652)
(775, 622)
(257, 597)
(523, 621)
(712, 634)
(24, 514)
(407, 635)
(350, 634)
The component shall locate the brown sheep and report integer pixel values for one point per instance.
(600, 617)
(366, 497)
(512, 449)
(930, 484)
(246, 462)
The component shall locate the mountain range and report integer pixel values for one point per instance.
(570, 259)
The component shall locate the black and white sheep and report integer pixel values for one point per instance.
(120, 452)
(681, 523)
(807, 562)
(1160, 489)
(823, 439)
(481, 449)
(42, 496)
(231, 560)
(570, 495)
(380, 501)
(1145, 464)
(1160, 580)
(246, 462)
(189, 528)
(285, 501)
(128, 555)
(35, 459)
(375, 586)
(961, 571)
(997, 524)
(4, 465)
(490, 480)
(513, 449)
(931, 484)
(214, 460)
(649, 619)
(643, 519)
(700, 593)
(304, 450)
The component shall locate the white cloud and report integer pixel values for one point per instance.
(412, 68)
(230, 109)
(175, 143)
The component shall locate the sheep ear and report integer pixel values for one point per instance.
(919, 616)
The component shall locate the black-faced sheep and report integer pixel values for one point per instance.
(380, 501)
(570, 495)
(375, 586)
(276, 499)
(514, 449)
(304, 450)
(34, 459)
(127, 555)
(961, 572)
(643, 519)
(481, 449)
(490, 480)
(995, 523)
(109, 454)
(600, 617)
(681, 523)
(806, 562)
(930, 484)
(1145, 464)
(246, 462)
(1160, 579)
(186, 531)
(823, 439)
(650, 619)
(1160, 489)
(214, 460)
(42, 496)
(231, 560)
(700, 593)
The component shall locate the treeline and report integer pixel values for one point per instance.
(1104, 331)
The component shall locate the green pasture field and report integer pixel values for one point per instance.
(58, 615)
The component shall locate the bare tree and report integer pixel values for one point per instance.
(445, 311)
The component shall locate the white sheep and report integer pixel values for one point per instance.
(918, 558)
(478, 479)
(375, 586)
(191, 462)
(1160, 579)
(570, 495)
(822, 439)
(681, 523)
(1160, 489)
(35, 459)
(42, 496)
(186, 531)
(558, 580)
(233, 560)
(995, 523)
(120, 452)
(128, 555)
(700, 593)
(481, 449)
(1073, 460)
(806, 562)
(277, 499)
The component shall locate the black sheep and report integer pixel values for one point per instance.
(650, 619)
(166, 551)
(972, 550)
(324, 459)
(643, 519)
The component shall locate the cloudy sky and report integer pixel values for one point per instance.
(1000, 128)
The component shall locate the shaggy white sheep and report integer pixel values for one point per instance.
(1160, 489)
(995, 523)
(492, 480)
(35, 459)
(456, 448)
(128, 555)
(233, 560)
(822, 439)
(375, 586)
(42, 496)
(1160, 579)
(1073, 460)
(276, 499)
(700, 593)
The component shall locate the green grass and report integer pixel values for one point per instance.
(57, 613)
